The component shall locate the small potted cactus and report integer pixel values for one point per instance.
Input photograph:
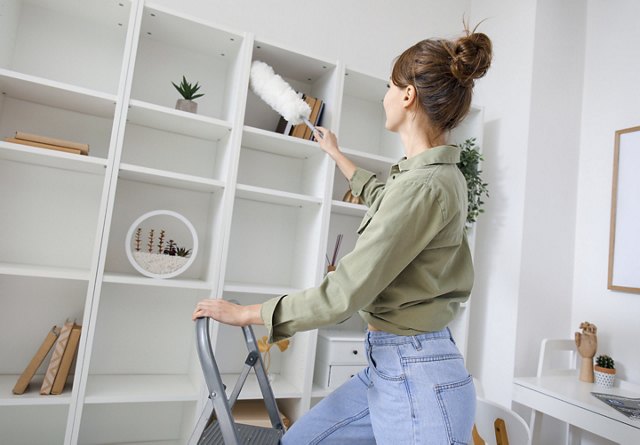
(188, 92)
(604, 371)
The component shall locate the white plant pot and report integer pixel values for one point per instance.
(604, 379)
(187, 105)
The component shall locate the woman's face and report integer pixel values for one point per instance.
(393, 106)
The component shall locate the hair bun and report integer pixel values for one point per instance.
(470, 58)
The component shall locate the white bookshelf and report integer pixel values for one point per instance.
(266, 207)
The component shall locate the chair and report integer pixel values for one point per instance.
(557, 357)
(497, 425)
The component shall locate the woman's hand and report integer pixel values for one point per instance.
(228, 313)
(327, 141)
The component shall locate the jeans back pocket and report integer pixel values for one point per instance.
(458, 409)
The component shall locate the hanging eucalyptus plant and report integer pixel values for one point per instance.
(469, 164)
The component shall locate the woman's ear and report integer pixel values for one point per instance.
(409, 97)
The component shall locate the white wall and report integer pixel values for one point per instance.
(9, 13)
(611, 98)
(364, 34)
(546, 279)
(506, 95)
(568, 82)
(546, 270)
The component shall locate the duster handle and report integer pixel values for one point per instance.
(310, 125)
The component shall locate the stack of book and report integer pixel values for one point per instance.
(301, 130)
(64, 342)
(36, 140)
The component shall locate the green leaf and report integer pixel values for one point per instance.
(188, 90)
(469, 163)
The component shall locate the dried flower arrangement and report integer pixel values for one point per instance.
(265, 347)
(166, 257)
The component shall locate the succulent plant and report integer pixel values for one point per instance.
(188, 90)
(604, 361)
(183, 251)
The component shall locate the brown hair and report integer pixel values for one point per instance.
(443, 73)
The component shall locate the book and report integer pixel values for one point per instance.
(67, 359)
(56, 358)
(28, 373)
(41, 145)
(284, 127)
(319, 117)
(21, 135)
(299, 130)
(313, 118)
(628, 406)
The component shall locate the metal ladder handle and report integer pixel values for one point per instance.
(214, 383)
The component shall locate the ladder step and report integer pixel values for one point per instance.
(249, 435)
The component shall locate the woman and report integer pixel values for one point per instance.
(407, 275)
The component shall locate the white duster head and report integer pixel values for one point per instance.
(277, 93)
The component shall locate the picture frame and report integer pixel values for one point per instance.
(624, 233)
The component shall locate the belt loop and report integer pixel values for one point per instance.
(450, 335)
(416, 342)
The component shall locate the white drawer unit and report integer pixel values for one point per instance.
(341, 347)
(340, 355)
(332, 376)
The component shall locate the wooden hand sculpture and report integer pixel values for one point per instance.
(587, 343)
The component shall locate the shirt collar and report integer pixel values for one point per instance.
(442, 154)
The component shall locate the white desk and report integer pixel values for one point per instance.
(570, 400)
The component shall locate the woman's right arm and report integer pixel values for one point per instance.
(367, 186)
(329, 143)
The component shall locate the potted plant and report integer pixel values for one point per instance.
(469, 165)
(188, 92)
(604, 371)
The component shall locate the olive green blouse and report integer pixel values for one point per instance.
(411, 266)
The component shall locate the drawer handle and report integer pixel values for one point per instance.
(355, 352)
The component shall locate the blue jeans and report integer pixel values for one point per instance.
(415, 390)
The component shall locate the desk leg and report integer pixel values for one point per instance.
(573, 435)
(535, 425)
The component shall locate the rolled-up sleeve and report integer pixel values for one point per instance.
(365, 185)
(408, 218)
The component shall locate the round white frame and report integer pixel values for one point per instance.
(148, 215)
